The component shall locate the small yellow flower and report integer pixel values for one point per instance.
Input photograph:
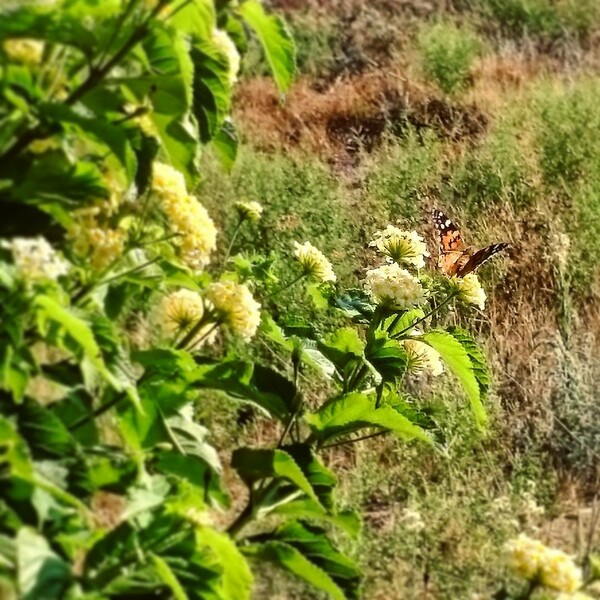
(24, 50)
(401, 246)
(228, 48)
(425, 358)
(313, 262)
(167, 181)
(236, 307)
(249, 210)
(36, 259)
(392, 286)
(197, 232)
(469, 289)
(555, 569)
(559, 572)
(179, 312)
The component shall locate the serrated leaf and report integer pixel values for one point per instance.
(257, 464)
(292, 560)
(459, 362)
(168, 577)
(276, 41)
(356, 411)
(225, 144)
(236, 579)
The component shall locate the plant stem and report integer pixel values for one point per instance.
(354, 440)
(286, 286)
(193, 332)
(232, 241)
(129, 272)
(429, 314)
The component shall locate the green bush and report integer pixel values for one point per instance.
(447, 54)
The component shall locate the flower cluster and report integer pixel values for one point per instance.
(36, 259)
(424, 357)
(197, 235)
(249, 210)
(313, 262)
(24, 50)
(401, 246)
(236, 307)
(101, 245)
(179, 312)
(530, 559)
(394, 287)
(469, 290)
(225, 44)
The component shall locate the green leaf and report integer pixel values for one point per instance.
(342, 347)
(477, 357)
(355, 411)
(42, 573)
(112, 136)
(256, 464)
(403, 323)
(168, 577)
(276, 40)
(236, 578)
(225, 144)
(307, 509)
(459, 362)
(291, 559)
(14, 453)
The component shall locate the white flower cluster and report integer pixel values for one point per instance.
(469, 289)
(313, 262)
(394, 287)
(177, 313)
(529, 559)
(401, 246)
(36, 259)
(424, 357)
(186, 216)
(236, 307)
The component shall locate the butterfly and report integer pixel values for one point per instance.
(455, 257)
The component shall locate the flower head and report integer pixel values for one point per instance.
(313, 261)
(529, 559)
(24, 50)
(469, 289)
(249, 210)
(424, 357)
(177, 313)
(394, 287)
(197, 232)
(225, 44)
(236, 307)
(167, 181)
(401, 246)
(36, 259)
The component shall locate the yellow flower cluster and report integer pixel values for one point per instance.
(24, 50)
(249, 210)
(186, 216)
(394, 287)
(236, 307)
(313, 262)
(469, 289)
(401, 246)
(101, 245)
(529, 559)
(177, 313)
(225, 44)
(425, 358)
(36, 259)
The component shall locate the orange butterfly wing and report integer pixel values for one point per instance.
(455, 258)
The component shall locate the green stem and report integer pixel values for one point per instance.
(286, 286)
(129, 272)
(232, 241)
(354, 440)
(193, 332)
(424, 318)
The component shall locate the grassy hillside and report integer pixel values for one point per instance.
(488, 109)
